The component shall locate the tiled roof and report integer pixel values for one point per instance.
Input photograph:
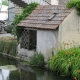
(39, 18)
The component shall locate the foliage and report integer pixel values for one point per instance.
(9, 28)
(76, 4)
(5, 2)
(37, 59)
(8, 47)
(66, 62)
(26, 12)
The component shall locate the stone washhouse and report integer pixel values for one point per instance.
(46, 28)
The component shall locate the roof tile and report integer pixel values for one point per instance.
(39, 17)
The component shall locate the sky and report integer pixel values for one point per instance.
(4, 74)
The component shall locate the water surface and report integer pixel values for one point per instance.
(26, 72)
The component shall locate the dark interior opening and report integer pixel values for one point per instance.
(29, 39)
(32, 39)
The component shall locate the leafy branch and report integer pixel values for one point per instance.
(74, 4)
(26, 12)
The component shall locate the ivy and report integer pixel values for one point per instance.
(74, 4)
(26, 12)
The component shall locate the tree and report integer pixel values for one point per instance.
(74, 4)
(5, 2)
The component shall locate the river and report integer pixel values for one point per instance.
(26, 72)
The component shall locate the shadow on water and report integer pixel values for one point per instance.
(26, 72)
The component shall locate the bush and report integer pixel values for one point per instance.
(66, 62)
(75, 4)
(37, 59)
(9, 28)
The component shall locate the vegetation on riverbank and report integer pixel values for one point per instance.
(66, 62)
(8, 45)
(37, 59)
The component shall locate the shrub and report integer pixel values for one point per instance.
(75, 4)
(37, 59)
(9, 28)
(66, 62)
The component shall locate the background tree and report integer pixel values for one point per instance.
(74, 4)
(5, 2)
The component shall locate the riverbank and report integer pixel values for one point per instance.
(8, 47)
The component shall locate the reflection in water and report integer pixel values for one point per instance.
(4, 74)
(26, 72)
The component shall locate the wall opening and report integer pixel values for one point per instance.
(28, 39)
(32, 42)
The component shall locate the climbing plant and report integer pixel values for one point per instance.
(74, 4)
(26, 12)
